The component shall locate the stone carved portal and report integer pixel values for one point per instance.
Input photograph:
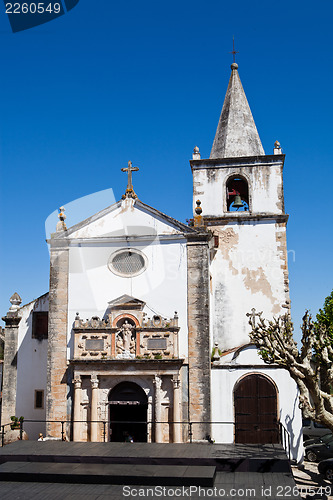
(125, 340)
(128, 412)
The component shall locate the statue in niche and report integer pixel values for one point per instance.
(125, 341)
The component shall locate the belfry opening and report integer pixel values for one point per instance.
(128, 405)
(237, 194)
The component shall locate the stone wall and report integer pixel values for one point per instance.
(8, 409)
(56, 404)
(198, 335)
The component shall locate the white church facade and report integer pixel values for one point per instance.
(145, 329)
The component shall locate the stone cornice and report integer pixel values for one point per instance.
(132, 364)
(12, 321)
(243, 217)
(201, 237)
(141, 329)
(108, 239)
(231, 366)
(242, 161)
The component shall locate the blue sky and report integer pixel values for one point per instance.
(145, 81)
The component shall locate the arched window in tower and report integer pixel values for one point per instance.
(237, 194)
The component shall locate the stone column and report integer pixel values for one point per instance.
(177, 428)
(158, 410)
(77, 409)
(94, 413)
(198, 334)
(137, 343)
(149, 419)
(12, 320)
(56, 407)
(113, 344)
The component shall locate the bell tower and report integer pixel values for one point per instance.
(241, 194)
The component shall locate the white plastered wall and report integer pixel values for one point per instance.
(163, 285)
(31, 368)
(223, 382)
(248, 271)
(264, 182)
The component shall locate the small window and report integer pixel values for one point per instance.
(39, 399)
(237, 195)
(40, 325)
(127, 263)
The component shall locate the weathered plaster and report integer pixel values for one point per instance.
(248, 270)
(256, 281)
(264, 176)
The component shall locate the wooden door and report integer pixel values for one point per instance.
(256, 420)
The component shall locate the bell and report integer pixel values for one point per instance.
(237, 202)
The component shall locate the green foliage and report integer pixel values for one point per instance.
(213, 353)
(16, 422)
(264, 354)
(325, 315)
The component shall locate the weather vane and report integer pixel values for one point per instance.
(233, 52)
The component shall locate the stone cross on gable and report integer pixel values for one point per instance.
(129, 170)
(252, 315)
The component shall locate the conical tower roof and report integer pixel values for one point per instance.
(236, 133)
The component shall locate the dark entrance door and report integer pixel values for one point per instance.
(256, 411)
(128, 408)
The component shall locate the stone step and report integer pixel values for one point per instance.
(226, 458)
(88, 473)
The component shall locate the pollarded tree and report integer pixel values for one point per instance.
(310, 365)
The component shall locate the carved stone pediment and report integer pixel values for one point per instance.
(126, 302)
(127, 333)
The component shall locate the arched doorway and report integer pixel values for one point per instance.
(256, 419)
(128, 408)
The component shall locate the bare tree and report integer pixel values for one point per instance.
(310, 366)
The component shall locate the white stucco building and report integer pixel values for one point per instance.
(145, 329)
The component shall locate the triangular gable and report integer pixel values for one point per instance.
(125, 302)
(45, 296)
(126, 218)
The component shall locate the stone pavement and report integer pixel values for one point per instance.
(227, 485)
(310, 483)
(259, 472)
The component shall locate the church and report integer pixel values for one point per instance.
(144, 333)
